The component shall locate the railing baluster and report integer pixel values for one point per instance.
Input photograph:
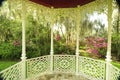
(87, 67)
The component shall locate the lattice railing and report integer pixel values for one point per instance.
(39, 65)
(91, 68)
(64, 63)
(12, 73)
(114, 73)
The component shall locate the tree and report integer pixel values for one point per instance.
(116, 33)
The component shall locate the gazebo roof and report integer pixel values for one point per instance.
(62, 3)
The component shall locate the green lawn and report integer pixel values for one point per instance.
(116, 64)
(6, 64)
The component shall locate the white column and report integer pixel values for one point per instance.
(51, 50)
(23, 42)
(77, 41)
(108, 57)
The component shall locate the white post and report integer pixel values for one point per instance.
(108, 57)
(77, 41)
(51, 50)
(23, 42)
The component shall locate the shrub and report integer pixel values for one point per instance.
(116, 46)
(63, 49)
(9, 52)
(31, 52)
(96, 46)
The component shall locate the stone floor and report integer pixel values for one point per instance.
(59, 76)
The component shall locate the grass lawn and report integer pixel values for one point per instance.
(117, 64)
(6, 64)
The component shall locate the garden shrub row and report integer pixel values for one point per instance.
(10, 51)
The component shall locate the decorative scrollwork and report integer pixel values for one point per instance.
(93, 69)
(64, 63)
(89, 68)
(38, 65)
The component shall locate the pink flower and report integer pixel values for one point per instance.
(95, 51)
(100, 39)
(105, 45)
(96, 46)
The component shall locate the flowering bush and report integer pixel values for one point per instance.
(96, 46)
(58, 37)
(16, 43)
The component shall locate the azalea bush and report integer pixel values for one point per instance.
(96, 46)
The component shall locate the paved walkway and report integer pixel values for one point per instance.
(61, 77)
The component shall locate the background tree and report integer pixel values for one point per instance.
(116, 30)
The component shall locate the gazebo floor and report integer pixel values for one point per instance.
(61, 76)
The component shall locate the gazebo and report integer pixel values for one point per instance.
(31, 69)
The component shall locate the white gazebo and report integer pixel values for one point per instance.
(31, 69)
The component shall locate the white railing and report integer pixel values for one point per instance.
(114, 73)
(38, 66)
(12, 73)
(90, 68)
(64, 63)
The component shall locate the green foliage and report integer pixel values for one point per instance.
(9, 52)
(116, 46)
(37, 38)
(60, 48)
(5, 32)
(83, 51)
(9, 29)
(31, 52)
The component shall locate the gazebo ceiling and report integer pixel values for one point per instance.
(62, 3)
